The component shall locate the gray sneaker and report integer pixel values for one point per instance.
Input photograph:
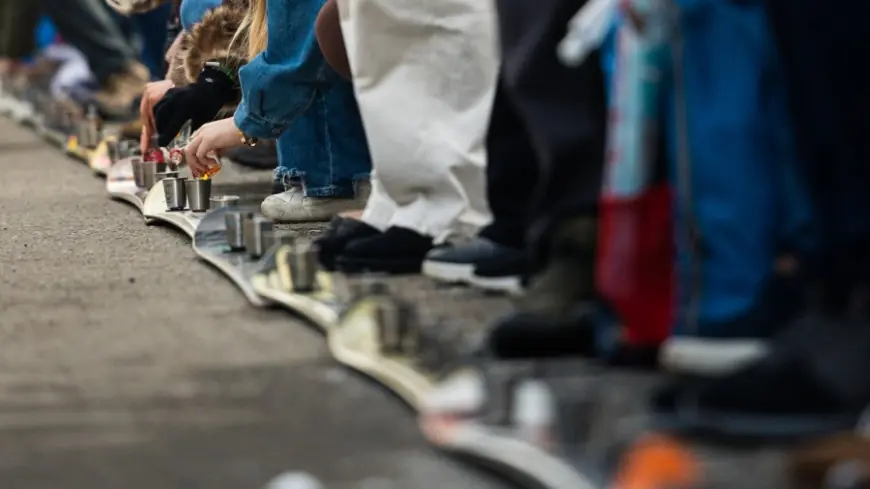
(293, 206)
(455, 263)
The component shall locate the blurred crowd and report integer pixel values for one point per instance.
(671, 184)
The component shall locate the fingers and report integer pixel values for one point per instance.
(146, 110)
(144, 139)
(202, 154)
(197, 167)
(146, 113)
(143, 105)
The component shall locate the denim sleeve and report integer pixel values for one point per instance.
(280, 83)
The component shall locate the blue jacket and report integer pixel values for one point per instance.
(747, 196)
(192, 11)
(289, 92)
(742, 189)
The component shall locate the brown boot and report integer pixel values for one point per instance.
(121, 90)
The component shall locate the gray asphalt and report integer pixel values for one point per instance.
(126, 363)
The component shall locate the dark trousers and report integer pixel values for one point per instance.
(511, 173)
(89, 26)
(151, 28)
(821, 45)
(18, 20)
(563, 110)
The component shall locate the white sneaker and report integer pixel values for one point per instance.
(293, 206)
(710, 357)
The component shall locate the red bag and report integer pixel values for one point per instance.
(635, 265)
(635, 262)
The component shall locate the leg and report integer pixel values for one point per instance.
(374, 220)
(425, 116)
(18, 21)
(495, 260)
(326, 147)
(511, 173)
(152, 27)
(564, 111)
(818, 368)
(88, 25)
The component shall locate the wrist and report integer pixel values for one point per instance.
(248, 141)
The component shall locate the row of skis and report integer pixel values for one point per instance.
(559, 424)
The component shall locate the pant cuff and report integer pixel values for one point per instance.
(328, 191)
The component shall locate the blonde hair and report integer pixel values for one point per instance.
(253, 30)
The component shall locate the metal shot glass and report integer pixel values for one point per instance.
(235, 223)
(198, 195)
(224, 201)
(176, 192)
(254, 231)
(138, 175)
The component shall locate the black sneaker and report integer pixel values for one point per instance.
(812, 382)
(395, 251)
(523, 335)
(502, 271)
(554, 316)
(456, 263)
(341, 232)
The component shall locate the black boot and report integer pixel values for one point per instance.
(814, 381)
(396, 251)
(553, 318)
(338, 235)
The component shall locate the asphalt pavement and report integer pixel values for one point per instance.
(125, 363)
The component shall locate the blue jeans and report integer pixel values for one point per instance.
(289, 92)
(150, 28)
(325, 146)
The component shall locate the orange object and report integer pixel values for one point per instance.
(212, 171)
(656, 462)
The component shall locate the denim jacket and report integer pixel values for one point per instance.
(290, 82)
(281, 82)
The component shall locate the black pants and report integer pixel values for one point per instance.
(821, 44)
(511, 173)
(18, 20)
(90, 27)
(563, 110)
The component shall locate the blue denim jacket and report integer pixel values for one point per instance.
(289, 92)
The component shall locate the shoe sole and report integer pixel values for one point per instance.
(709, 357)
(451, 273)
(507, 285)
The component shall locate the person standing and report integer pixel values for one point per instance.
(424, 75)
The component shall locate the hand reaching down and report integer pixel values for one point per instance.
(210, 141)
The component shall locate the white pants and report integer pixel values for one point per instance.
(74, 69)
(424, 73)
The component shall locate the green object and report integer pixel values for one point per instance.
(230, 71)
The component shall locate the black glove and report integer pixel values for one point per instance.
(198, 103)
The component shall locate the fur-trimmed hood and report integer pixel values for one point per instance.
(211, 39)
